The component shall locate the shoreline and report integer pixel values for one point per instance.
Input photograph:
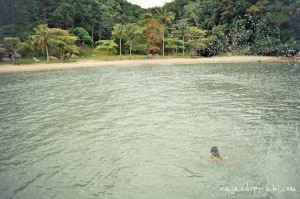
(10, 68)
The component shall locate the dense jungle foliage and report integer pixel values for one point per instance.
(195, 27)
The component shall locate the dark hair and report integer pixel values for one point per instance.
(214, 151)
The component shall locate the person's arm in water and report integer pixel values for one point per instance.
(218, 158)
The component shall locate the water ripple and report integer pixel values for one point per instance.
(146, 131)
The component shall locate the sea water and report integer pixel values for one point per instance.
(145, 132)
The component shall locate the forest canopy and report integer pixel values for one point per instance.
(205, 27)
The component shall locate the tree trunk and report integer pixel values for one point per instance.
(93, 32)
(45, 12)
(183, 46)
(163, 27)
(120, 47)
(13, 59)
(130, 46)
(47, 52)
(13, 17)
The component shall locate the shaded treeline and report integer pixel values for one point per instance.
(20, 17)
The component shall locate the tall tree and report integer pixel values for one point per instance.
(83, 35)
(132, 30)
(165, 17)
(119, 32)
(153, 36)
(196, 39)
(63, 16)
(41, 38)
(193, 11)
(174, 44)
(61, 42)
(180, 29)
(24, 17)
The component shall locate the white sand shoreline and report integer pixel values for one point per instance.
(9, 68)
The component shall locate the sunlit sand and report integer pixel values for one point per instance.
(95, 63)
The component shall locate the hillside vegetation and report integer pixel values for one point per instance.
(183, 27)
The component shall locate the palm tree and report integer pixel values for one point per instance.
(181, 28)
(109, 46)
(165, 18)
(119, 31)
(41, 38)
(130, 30)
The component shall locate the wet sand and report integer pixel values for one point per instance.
(41, 66)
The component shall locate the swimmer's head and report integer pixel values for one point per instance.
(214, 151)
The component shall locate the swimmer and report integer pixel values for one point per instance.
(215, 154)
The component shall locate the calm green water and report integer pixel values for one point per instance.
(145, 132)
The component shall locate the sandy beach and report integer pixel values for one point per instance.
(97, 63)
